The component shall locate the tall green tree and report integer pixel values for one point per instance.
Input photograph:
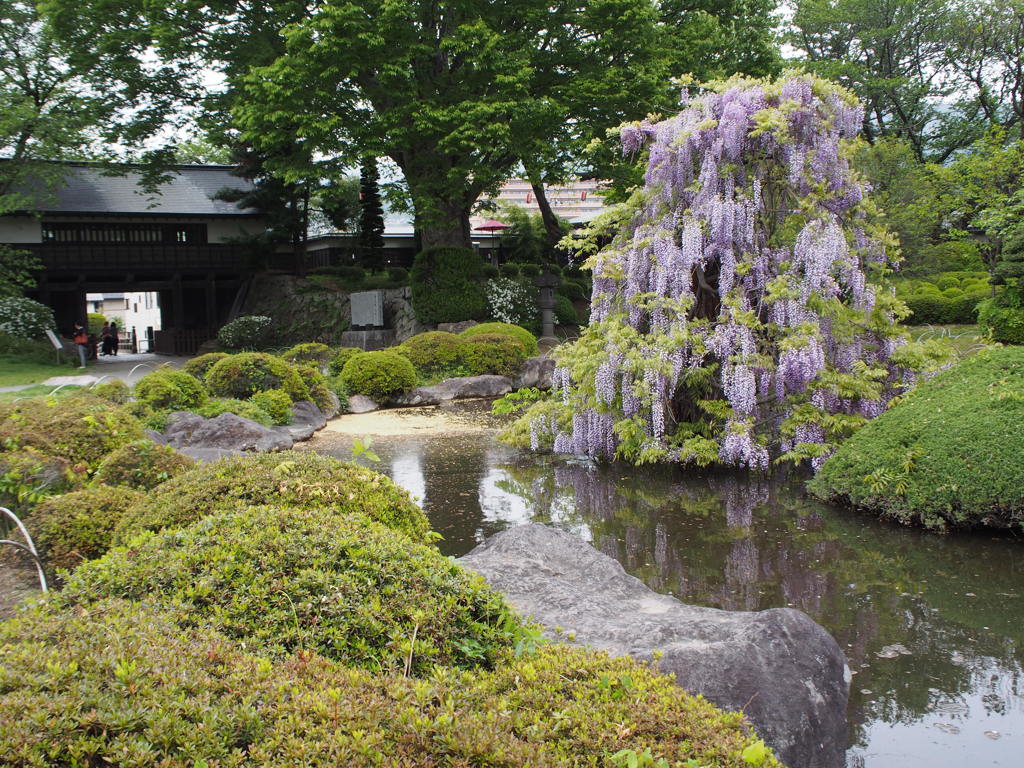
(371, 215)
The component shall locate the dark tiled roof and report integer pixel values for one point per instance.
(88, 190)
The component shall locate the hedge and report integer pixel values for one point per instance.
(447, 286)
(950, 455)
(283, 578)
(164, 696)
(295, 479)
(1003, 318)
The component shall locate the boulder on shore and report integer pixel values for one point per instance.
(457, 388)
(536, 372)
(226, 434)
(782, 669)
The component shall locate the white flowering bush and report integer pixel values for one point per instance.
(25, 318)
(512, 301)
(246, 332)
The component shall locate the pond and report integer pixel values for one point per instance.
(932, 626)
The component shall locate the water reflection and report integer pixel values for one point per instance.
(932, 626)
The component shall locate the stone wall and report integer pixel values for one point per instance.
(306, 311)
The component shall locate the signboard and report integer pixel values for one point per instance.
(57, 343)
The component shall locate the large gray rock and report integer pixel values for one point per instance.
(536, 372)
(457, 388)
(306, 420)
(361, 404)
(781, 668)
(227, 432)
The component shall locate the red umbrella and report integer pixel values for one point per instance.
(493, 225)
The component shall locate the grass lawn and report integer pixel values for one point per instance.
(36, 390)
(16, 370)
(966, 339)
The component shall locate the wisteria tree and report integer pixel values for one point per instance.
(737, 315)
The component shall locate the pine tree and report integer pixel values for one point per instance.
(371, 219)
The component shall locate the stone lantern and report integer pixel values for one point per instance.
(547, 284)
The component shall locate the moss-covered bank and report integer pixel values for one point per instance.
(949, 455)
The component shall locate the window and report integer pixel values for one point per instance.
(124, 234)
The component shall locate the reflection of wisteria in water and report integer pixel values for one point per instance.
(740, 498)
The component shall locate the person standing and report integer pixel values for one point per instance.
(115, 340)
(105, 339)
(81, 338)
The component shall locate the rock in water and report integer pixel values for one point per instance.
(209, 439)
(781, 668)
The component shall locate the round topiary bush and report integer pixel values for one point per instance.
(447, 286)
(201, 365)
(246, 333)
(571, 291)
(24, 318)
(80, 428)
(65, 689)
(282, 578)
(242, 375)
(565, 312)
(949, 455)
(79, 526)
(431, 352)
(142, 464)
(312, 352)
(527, 339)
(320, 392)
(296, 479)
(379, 375)
(275, 403)
(492, 353)
(247, 409)
(341, 356)
(169, 390)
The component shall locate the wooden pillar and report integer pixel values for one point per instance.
(178, 299)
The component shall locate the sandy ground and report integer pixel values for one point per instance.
(465, 417)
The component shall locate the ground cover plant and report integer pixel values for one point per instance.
(299, 479)
(734, 319)
(172, 696)
(950, 454)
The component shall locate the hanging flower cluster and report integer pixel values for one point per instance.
(733, 319)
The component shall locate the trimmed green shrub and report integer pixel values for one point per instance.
(241, 376)
(80, 428)
(572, 291)
(169, 390)
(165, 696)
(320, 392)
(275, 403)
(311, 352)
(489, 272)
(927, 309)
(281, 579)
(527, 339)
(201, 365)
(1003, 318)
(379, 375)
(246, 333)
(247, 409)
(447, 286)
(950, 455)
(24, 318)
(142, 464)
(341, 356)
(78, 526)
(509, 270)
(565, 312)
(492, 353)
(431, 352)
(398, 275)
(115, 391)
(530, 270)
(27, 475)
(295, 479)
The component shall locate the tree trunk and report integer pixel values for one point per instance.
(551, 228)
(442, 208)
(447, 227)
